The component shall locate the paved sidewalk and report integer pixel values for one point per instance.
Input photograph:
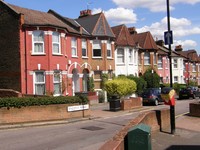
(186, 137)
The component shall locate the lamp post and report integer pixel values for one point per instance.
(172, 107)
(152, 78)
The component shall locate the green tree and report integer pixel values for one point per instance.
(141, 83)
(152, 78)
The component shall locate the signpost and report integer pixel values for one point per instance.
(168, 37)
(168, 41)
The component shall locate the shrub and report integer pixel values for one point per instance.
(140, 82)
(37, 101)
(121, 86)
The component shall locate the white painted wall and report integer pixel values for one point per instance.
(127, 68)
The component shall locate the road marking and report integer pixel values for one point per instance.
(181, 114)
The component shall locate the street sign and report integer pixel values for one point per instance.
(168, 37)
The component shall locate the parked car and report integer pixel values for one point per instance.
(189, 92)
(152, 95)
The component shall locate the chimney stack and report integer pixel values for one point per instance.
(85, 13)
(160, 42)
(178, 48)
(132, 30)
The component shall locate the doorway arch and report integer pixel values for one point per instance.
(75, 81)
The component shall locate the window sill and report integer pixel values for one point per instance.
(84, 57)
(54, 54)
(74, 56)
(38, 54)
(97, 57)
(110, 58)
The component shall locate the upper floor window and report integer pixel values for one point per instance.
(194, 67)
(84, 48)
(57, 82)
(120, 55)
(39, 82)
(38, 42)
(160, 62)
(154, 58)
(74, 46)
(96, 48)
(135, 57)
(130, 55)
(56, 43)
(146, 58)
(175, 63)
(109, 51)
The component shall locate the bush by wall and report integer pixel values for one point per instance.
(36, 101)
(121, 86)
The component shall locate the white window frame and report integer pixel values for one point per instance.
(109, 49)
(57, 35)
(194, 67)
(175, 77)
(160, 62)
(96, 46)
(84, 47)
(55, 82)
(39, 83)
(120, 56)
(74, 46)
(175, 63)
(154, 58)
(146, 58)
(130, 55)
(34, 34)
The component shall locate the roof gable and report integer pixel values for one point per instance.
(123, 37)
(96, 25)
(145, 40)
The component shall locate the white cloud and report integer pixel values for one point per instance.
(181, 27)
(154, 6)
(187, 44)
(119, 15)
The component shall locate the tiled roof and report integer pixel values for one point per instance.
(71, 22)
(96, 25)
(145, 40)
(38, 18)
(190, 54)
(123, 37)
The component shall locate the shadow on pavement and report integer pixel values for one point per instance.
(184, 147)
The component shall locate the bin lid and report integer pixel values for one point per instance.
(141, 127)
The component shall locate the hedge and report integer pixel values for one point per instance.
(120, 86)
(37, 101)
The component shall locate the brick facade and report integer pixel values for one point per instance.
(10, 73)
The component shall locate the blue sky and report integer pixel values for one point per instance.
(145, 15)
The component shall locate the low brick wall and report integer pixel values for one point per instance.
(9, 93)
(157, 120)
(195, 109)
(132, 102)
(39, 113)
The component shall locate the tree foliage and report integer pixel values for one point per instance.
(152, 78)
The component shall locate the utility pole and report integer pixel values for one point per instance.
(172, 107)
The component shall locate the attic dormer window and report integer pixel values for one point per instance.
(38, 42)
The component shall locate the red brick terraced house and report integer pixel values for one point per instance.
(100, 48)
(46, 53)
(191, 64)
(147, 53)
(40, 54)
